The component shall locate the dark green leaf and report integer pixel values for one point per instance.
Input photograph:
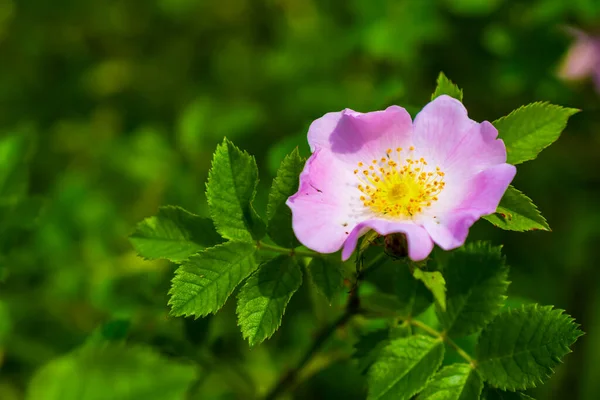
(446, 86)
(530, 129)
(173, 234)
(368, 348)
(230, 191)
(264, 297)
(203, 283)
(403, 367)
(521, 347)
(476, 279)
(327, 276)
(112, 372)
(454, 382)
(516, 212)
(279, 214)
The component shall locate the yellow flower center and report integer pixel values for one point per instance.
(394, 186)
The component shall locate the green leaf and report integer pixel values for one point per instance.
(404, 367)
(230, 191)
(435, 283)
(476, 279)
(446, 86)
(327, 276)
(368, 348)
(516, 212)
(279, 214)
(454, 382)
(113, 372)
(173, 234)
(530, 129)
(412, 293)
(495, 394)
(520, 348)
(264, 297)
(203, 283)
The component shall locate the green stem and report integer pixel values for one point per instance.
(445, 338)
(287, 251)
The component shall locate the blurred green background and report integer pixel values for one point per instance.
(119, 105)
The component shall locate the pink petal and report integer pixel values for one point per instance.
(322, 210)
(482, 195)
(440, 128)
(581, 60)
(419, 242)
(355, 136)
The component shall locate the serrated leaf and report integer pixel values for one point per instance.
(113, 372)
(403, 367)
(521, 347)
(530, 129)
(435, 282)
(230, 191)
(447, 87)
(203, 283)
(476, 281)
(327, 277)
(279, 215)
(516, 212)
(262, 300)
(412, 293)
(495, 394)
(454, 382)
(173, 234)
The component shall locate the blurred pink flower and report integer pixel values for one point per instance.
(582, 59)
(430, 180)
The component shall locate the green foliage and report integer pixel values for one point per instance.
(203, 283)
(230, 191)
(520, 348)
(13, 168)
(264, 297)
(326, 275)
(403, 367)
(454, 382)
(516, 212)
(446, 86)
(369, 347)
(530, 129)
(173, 234)
(113, 372)
(495, 394)
(435, 282)
(279, 215)
(5, 323)
(412, 293)
(476, 278)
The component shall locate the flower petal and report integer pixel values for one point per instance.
(581, 60)
(481, 197)
(419, 241)
(440, 127)
(322, 209)
(355, 136)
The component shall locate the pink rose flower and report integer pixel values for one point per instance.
(430, 179)
(583, 58)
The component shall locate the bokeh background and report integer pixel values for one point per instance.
(120, 104)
